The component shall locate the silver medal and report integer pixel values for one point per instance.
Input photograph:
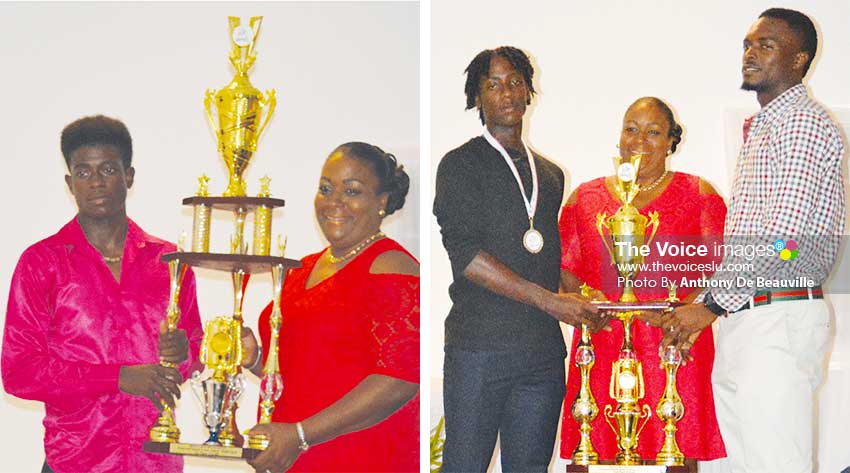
(532, 241)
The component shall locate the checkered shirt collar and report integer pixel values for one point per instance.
(778, 106)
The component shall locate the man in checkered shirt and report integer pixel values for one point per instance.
(771, 342)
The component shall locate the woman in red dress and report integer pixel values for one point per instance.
(690, 212)
(349, 339)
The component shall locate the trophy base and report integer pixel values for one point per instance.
(628, 458)
(608, 466)
(165, 435)
(201, 450)
(670, 459)
(585, 458)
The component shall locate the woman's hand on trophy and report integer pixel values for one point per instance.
(251, 356)
(151, 381)
(282, 450)
(172, 345)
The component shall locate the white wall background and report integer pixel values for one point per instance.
(343, 71)
(592, 59)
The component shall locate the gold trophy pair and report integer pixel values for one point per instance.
(243, 113)
(627, 226)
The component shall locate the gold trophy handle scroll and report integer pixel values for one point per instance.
(646, 413)
(270, 102)
(601, 224)
(653, 220)
(608, 415)
(209, 98)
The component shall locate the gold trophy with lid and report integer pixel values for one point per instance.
(627, 227)
(240, 108)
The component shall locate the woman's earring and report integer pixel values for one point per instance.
(382, 212)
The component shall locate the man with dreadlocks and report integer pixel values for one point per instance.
(497, 206)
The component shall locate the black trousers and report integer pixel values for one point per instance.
(46, 468)
(516, 395)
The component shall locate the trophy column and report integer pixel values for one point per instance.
(627, 389)
(271, 386)
(165, 429)
(670, 408)
(584, 407)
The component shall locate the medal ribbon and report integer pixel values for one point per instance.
(530, 204)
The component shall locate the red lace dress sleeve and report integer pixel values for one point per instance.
(395, 326)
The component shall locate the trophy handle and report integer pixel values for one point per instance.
(601, 217)
(209, 98)
(647, 413)
(270, 102)
(653, 220)
(235, 388)
(198, 390)
(608, 415)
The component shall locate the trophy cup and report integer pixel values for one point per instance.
(240, 108)
(217, 400)
(627, 227)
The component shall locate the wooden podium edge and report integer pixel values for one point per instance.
(200, 450)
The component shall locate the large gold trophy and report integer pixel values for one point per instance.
(622, 233)
(240, 108)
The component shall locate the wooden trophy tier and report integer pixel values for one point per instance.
(235, 203)
(249, 264)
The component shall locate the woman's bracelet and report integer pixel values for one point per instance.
(302, 439)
